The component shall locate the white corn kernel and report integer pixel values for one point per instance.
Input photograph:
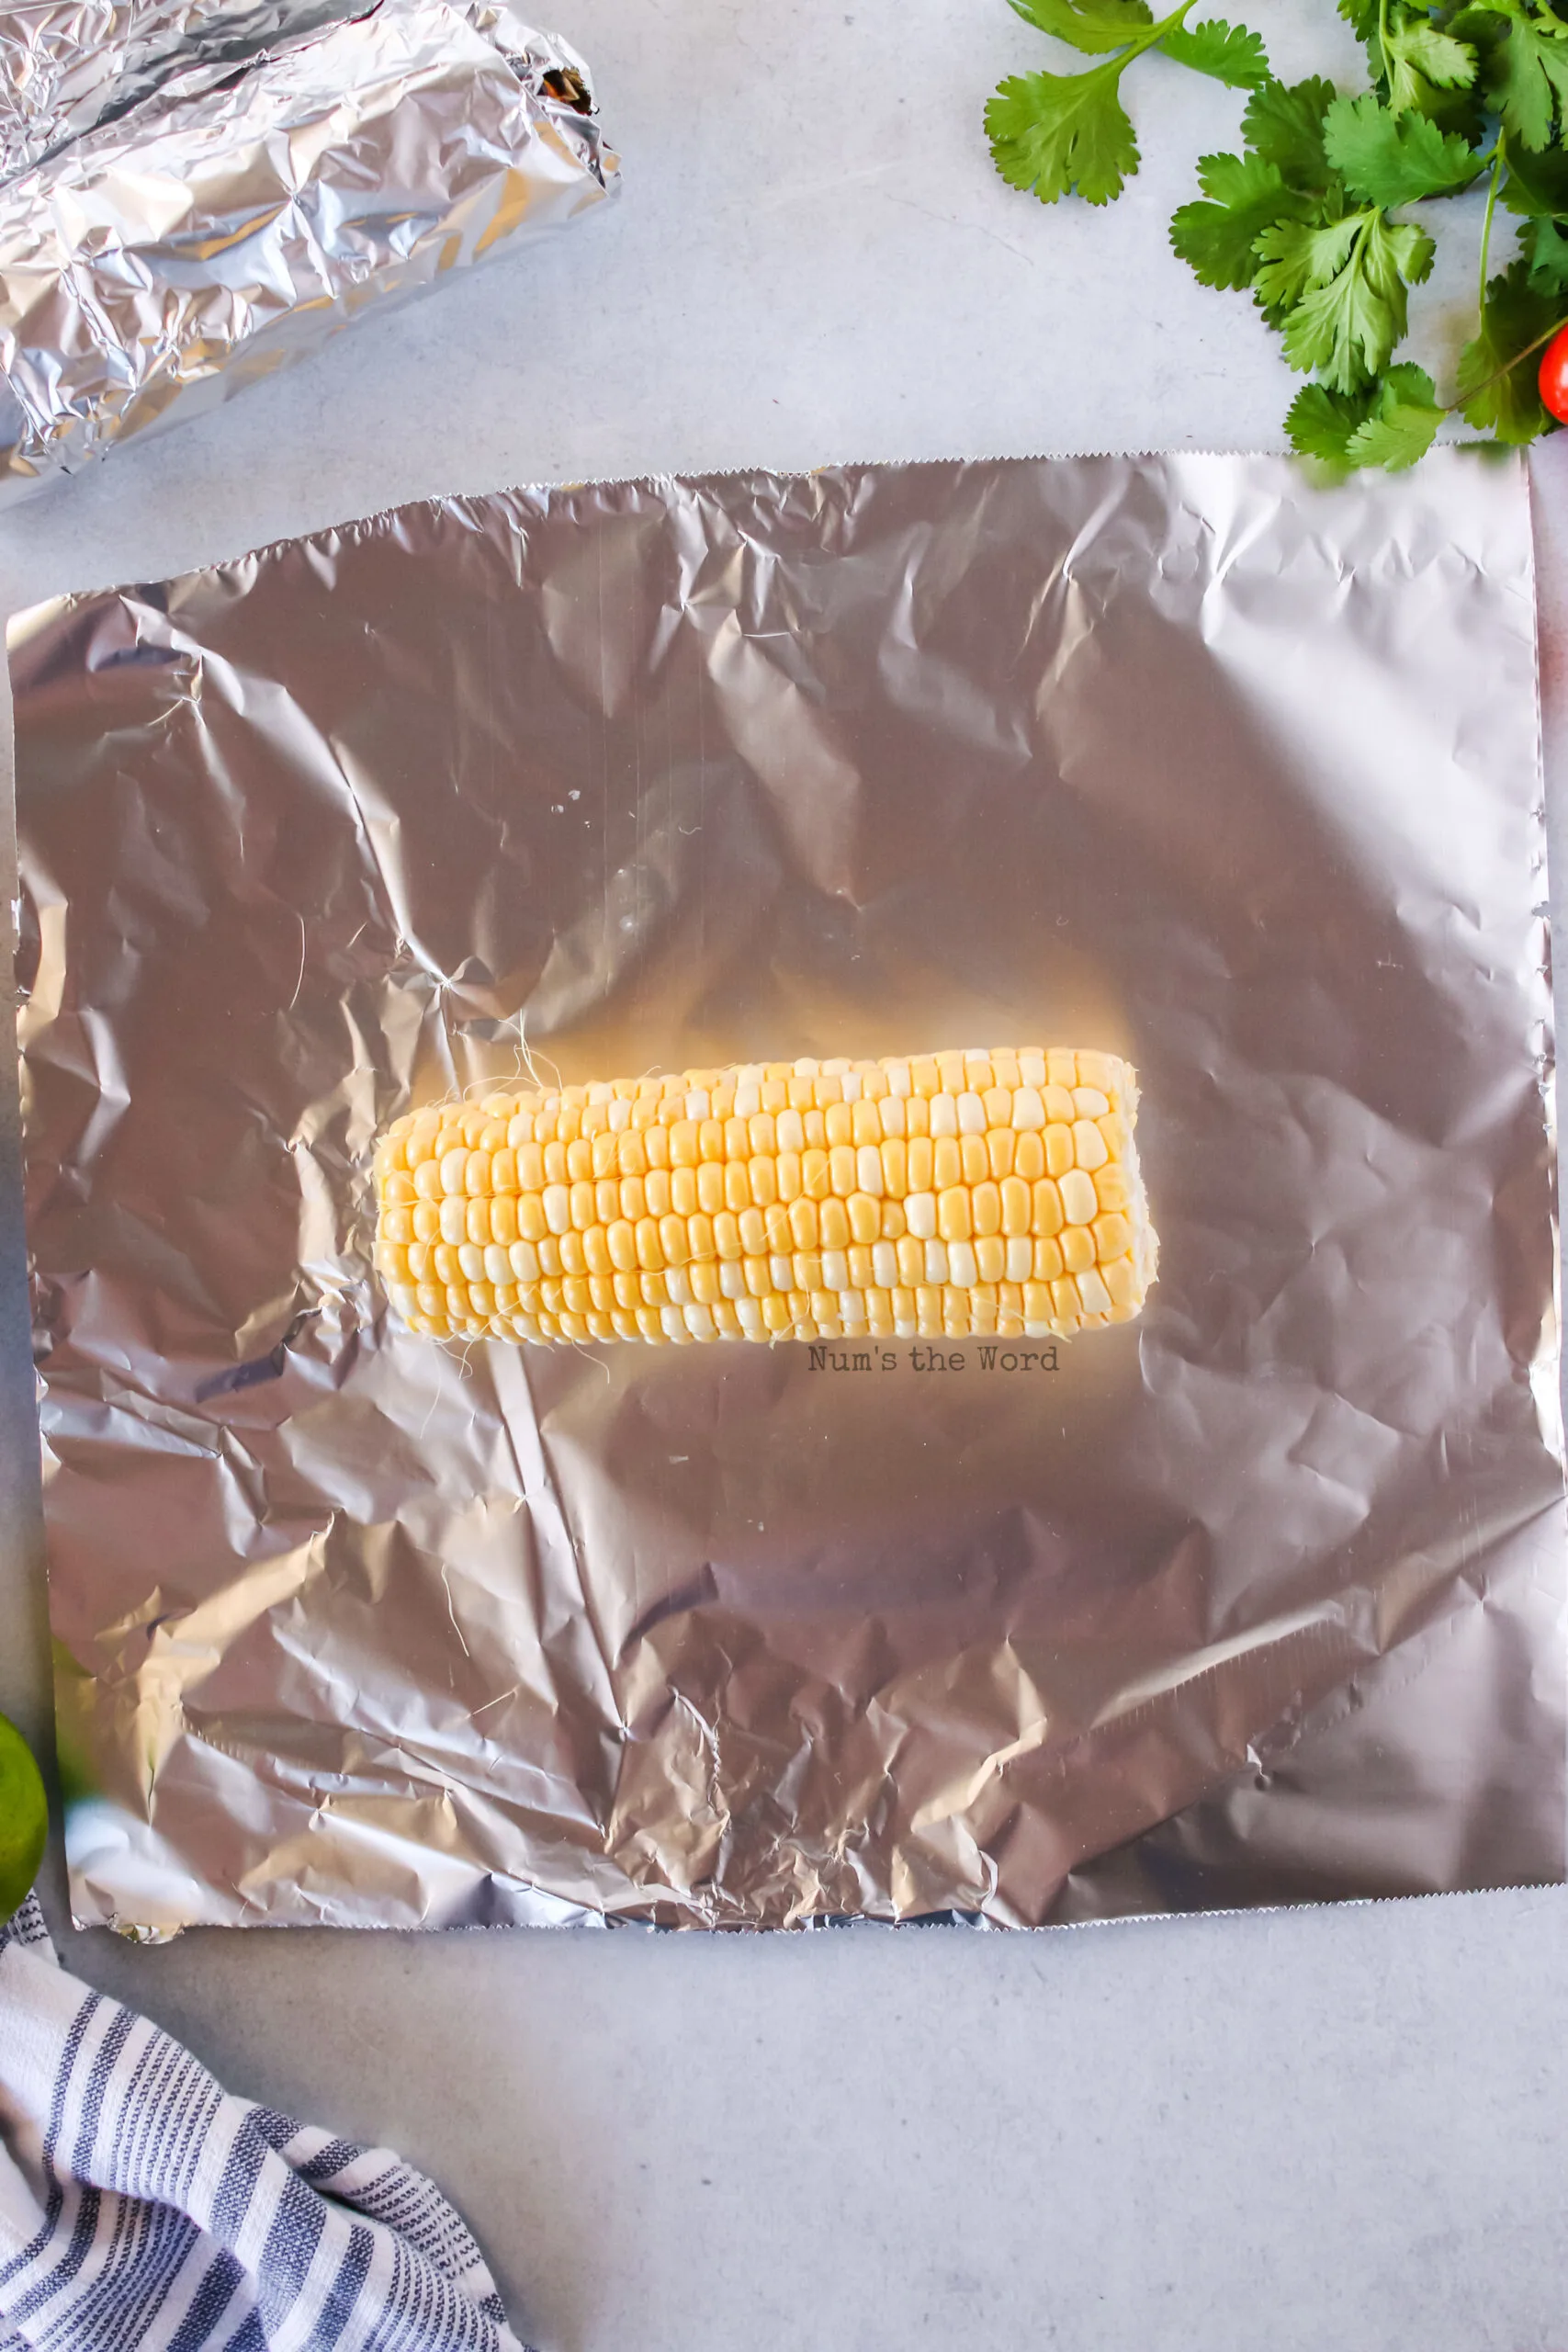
(851, 1085)
(732, 1279)
(678, 1283)
(620, 1118)
(835, 1270)
(1028, 1109)
(868, 1169)
(780, 1273)
(699, 1321)
(789, 1131)
(498, 1265)
(472, 1259)
(971, 1115)
(673, 1322)
(1090, 1102)
(1020, 1260)
(885, 1264)
(750, 1310)
(556, 1202)
(919, 1214)
(936, 1261)
(525, 1260)
(944, 1115)
(961, 1266)
(697, 1103)
(1096, 1298)
(1080, 1202)
(1031, 1069)
(897, 1076)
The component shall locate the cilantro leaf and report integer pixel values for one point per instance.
(1498, 371)
(1285, 127)
(1362, 16)
(1420, 59)
(1389, 159)
(1403, 423)
(1230, 52)
(1524, 73)
(1052, 132)
(1247, 195)
(1092, 26)
(1320, 422)
(1535, 184)
(1545, 250)
(1297, 256)
(1345, 290)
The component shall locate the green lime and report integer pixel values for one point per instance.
(24, 1819)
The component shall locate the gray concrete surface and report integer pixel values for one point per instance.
(1339, 2129)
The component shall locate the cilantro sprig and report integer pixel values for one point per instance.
(1328, 214)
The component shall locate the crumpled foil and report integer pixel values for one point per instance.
(1257, 1599)
(66, 65)
(238, 216)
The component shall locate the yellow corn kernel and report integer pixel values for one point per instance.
(990, 1258)
(985, 1190)
(953, 1214)
(1121, 1279)
(865, 1218)
(708, 1186)
(1046, 1215)
(1029, 1158)
(986, 1208)
(1077, 1245)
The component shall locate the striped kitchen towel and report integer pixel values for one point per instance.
(143, 2210)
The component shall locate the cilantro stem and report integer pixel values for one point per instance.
(1486, 224)
(1453, 408)
(1149, 35)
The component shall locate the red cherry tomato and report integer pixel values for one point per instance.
(1553, 377)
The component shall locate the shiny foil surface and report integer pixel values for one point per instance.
(236, 216)
(1255, 1599)
(66, 64)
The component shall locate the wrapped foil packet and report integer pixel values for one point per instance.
(235, 217)
(1256, 1599)
(67, 65)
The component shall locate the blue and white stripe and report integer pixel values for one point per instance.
(143, 2210)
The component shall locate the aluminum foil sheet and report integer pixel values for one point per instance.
(1256, 1600)
(237, 216)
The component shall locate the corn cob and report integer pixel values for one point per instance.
(961, 1192)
